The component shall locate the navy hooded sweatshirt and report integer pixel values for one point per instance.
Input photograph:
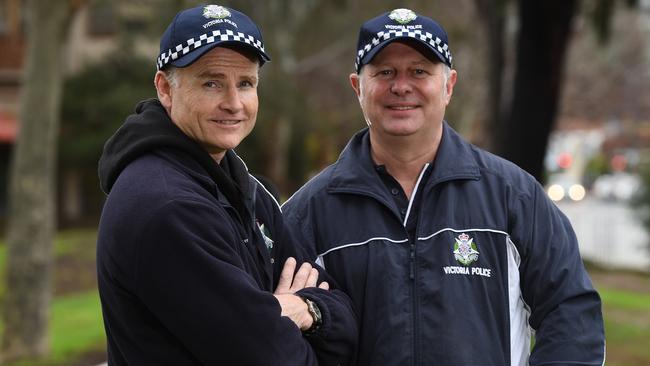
(189, 252)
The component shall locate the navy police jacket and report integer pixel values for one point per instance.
(186, 276)
(493, 262)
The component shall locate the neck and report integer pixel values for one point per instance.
(404, 157)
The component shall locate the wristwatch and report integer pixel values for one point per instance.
(315, 313)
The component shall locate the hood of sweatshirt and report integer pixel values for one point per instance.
(150, 128)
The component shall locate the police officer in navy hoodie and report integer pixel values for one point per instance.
(195, 264)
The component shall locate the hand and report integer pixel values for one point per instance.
(307, 276)
(295, 308)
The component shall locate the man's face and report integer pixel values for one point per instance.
(215, 100)
(403, 93)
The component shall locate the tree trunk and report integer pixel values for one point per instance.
(543, 38)
(493, 21)
(32, 186)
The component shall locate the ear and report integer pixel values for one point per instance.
(164, 90)
(356, 83)
(451, 81)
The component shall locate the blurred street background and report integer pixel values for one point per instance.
(560, 87)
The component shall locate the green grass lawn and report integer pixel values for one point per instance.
(76, 324)
(627, 327)
(75, 329)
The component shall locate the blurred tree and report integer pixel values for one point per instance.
(32, 188)
(544, 33)
(95, 103)
(281, 102)
(519, 128)
(519, 131)
(494, 19)
(307, 108)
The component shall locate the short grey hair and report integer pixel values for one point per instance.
(171, 74)
(446, 72)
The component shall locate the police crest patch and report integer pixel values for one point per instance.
(215, 11)
(465, 250)
(402, 16)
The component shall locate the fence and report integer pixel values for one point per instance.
(609, 233)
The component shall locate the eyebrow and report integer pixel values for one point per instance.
(421, 60)
(219, 75)
(211, 75)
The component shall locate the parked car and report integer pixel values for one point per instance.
(618, 186)
(562, 186)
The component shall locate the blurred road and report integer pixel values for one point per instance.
(609, 233)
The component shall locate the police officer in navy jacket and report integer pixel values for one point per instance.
(451, 255)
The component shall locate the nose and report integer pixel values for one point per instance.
(400, 85)
(231, 101)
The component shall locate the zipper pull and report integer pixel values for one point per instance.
(412, 260)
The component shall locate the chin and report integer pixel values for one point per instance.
(401, 130)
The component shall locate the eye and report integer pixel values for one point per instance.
(211, 84)
(383, 73)
(246, 84)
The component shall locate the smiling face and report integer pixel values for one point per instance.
(214, 100)
(403, 93)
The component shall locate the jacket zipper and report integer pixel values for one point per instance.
(413, 267)
(414, 294)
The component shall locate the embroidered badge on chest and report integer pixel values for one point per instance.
(266, 235)
(465, 250)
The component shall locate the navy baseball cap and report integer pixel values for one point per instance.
(195, 31)
(401, 24)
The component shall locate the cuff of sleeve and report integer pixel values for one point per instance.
(313, 294)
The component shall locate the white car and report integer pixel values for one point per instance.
(617, 186)
(563, 186)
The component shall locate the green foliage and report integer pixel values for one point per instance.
(75, 243)
(642, 200)
(95, 103)
(601, 17)
(3, 260)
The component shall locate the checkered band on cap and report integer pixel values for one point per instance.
(204, 39)
(418, 34)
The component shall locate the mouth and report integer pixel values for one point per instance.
(402, 107)
(226, 122)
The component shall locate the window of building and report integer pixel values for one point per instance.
(102, 20)
(3, 17)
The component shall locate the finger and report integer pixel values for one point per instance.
(300, 279)
(312, 279)
(324, 285)
(286, 276)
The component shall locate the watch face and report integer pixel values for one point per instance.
(315, 313)
(314, 308)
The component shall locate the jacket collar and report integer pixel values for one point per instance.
(355, 169)
(190, 166)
